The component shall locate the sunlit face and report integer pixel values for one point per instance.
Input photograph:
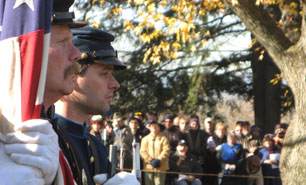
(183, 125)
(209, 126)
(182, 149)
(94, 91)
(220, 131)
(237, 130)
(176, 121)
(96, 126)
(62, 63)
(268, 144)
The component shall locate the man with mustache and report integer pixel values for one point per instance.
(34, 144)
(92, 96)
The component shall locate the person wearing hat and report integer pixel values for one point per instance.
(152, 115)
(155, 151)
(123, 138)
(196, 139)
(184, 162)
(254, 142)
(96, 126)
(39, 134)
(95, 86)
(209, 126)
(171, 131)
(143, 130)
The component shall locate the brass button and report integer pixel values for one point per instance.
(92, 159)
(84, 56)
(88, 142)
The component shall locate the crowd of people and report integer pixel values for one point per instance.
(183, 150)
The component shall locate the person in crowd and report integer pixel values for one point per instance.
(183, 125)
(246, 128)
(143, 129)
(110, 135)
(92, 95)
(241, 138)
(176, 121)
(249, 167)
(184, 162)
(219, 135)
(279, 135)
(269, 158)
(123, 138)
(197, 140)
(171, 132)
(96, 126)
(212, 165)
(155, 151)
(118, 122)
(139, 115)
(134, 127)
(255, 141)
(152, 115)
(209, 126)
(238, 129)
(230, 154)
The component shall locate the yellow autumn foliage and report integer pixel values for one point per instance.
(179, 24)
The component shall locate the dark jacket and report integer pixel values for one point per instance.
(173, 134)
(197, 144)
(86, 154)
(189, 165)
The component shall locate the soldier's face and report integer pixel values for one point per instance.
(95, 89)
(62, 64)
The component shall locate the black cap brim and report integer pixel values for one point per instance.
(78, 24)
(118, 65)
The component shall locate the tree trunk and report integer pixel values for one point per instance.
(266, 95)
(290, 58)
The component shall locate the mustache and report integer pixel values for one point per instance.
(71, 70)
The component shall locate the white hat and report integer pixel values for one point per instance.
(96, 118)
(208, 119)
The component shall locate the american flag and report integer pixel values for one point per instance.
(25, 27)
(24, 43)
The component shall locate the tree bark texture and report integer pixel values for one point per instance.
(290, 58)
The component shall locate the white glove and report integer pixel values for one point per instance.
(123, 178)
(100, 178)
(34, 143)
(12, 173)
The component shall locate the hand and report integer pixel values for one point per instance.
(100, 178)
(123, 178)
(191, 178)
(34, 143)
(269, 161)
(155, 163)
(12, 173)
